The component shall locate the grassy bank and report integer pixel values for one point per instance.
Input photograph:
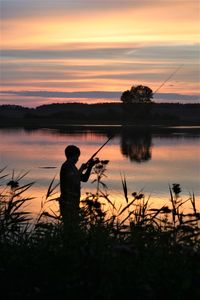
(136, 252)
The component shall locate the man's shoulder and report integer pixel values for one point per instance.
(68, 167)
(64, 164)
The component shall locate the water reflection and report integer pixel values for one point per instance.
(172, 156)
(136, 145)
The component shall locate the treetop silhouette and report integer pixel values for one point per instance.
(137, 94)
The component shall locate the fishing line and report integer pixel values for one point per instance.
(168, 78)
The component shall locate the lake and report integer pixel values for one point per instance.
(150, 159)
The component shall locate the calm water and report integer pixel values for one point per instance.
(150, 160)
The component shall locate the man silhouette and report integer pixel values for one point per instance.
(70, 186)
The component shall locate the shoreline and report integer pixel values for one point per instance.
(61, 115)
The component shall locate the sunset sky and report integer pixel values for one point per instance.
(60, 51)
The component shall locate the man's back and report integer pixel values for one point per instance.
(70, 184)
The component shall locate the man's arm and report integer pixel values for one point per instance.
(88, 167)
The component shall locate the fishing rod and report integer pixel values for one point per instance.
(93, 155)
(168, 78)
(90, 159)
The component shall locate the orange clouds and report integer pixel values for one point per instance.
(106, 46)
(175, 21)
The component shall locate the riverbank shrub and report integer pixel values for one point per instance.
(137, 252)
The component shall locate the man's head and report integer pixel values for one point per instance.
(72, 153)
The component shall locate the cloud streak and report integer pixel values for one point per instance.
(94, 95)
(20, 8)
(178, 52)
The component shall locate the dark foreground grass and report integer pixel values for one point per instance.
(135, 253)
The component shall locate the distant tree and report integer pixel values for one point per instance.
(137, 94)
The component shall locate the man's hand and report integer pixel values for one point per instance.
(89, 164)
(93, 162)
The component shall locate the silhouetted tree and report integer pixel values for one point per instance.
(137, 94)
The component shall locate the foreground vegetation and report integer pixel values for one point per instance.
(133, 251)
